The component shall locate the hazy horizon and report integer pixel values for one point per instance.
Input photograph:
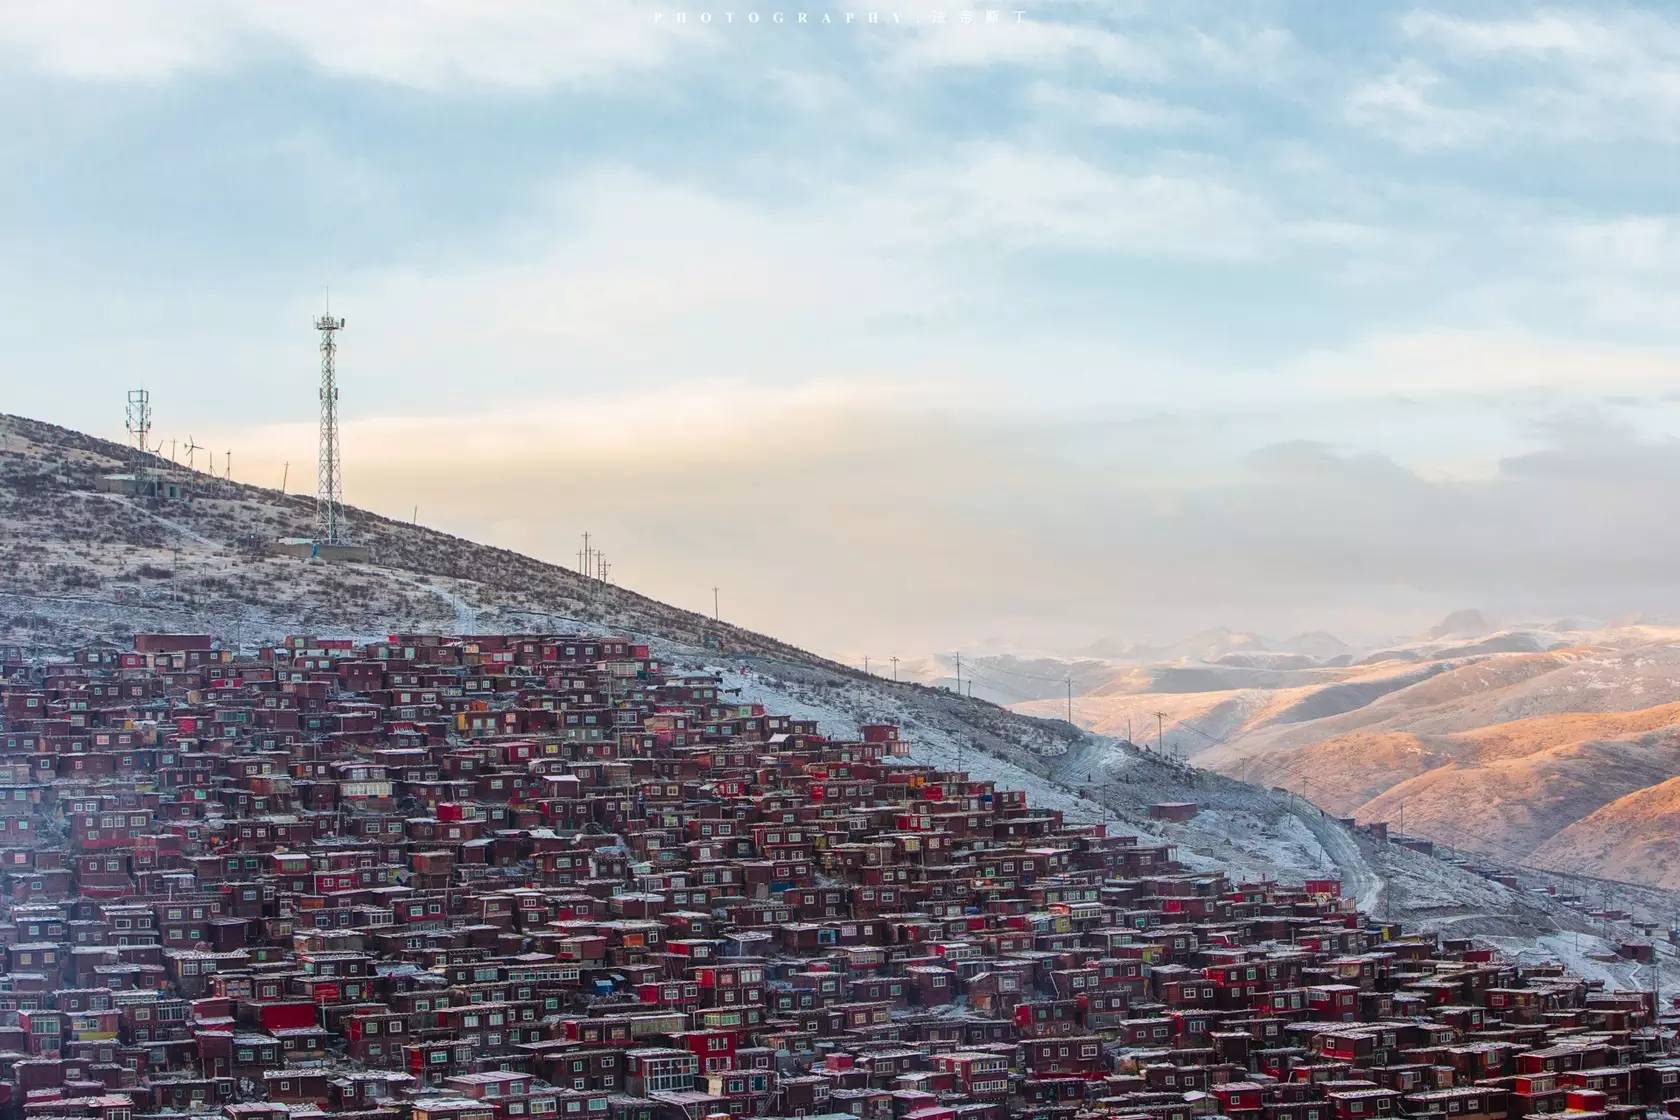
(1106, 322)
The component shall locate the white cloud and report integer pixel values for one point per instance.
(1114, 40)
(1642, 243)
(1032, 42)
(656, 278)
(1549, 76)
(1484, 362)
(434, 44)
(1625, 272)
(1113, 110)
(1545, 34)
(119, 39)
(1002, 197)
(626, 276)
(1403, 106)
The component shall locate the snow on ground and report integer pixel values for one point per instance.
(1247, 832)
(1215, 839)
(1590, 957)
(842, 712)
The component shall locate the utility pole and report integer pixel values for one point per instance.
(866, 664)
(414, 518)
(1070, 699)
(716, 615)
(285, 472)
(583, 555)
(959, 672)
(229, 464)
(1161, 732)
(895, 670)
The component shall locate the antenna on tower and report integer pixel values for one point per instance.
(140, 426)
(329, 494)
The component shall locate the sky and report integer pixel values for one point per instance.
(1087, 322)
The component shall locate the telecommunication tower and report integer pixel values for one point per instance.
(140, 425)
(329, 495)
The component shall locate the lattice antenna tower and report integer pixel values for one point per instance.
(140, 425)
(329, 494)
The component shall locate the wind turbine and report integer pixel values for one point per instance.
(192, 448)
(227, 464)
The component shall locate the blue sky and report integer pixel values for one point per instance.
(1109, 320)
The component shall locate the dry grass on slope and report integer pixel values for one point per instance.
(1516, 804)
(1523, 737)
(1635, 837)
(1346, 772)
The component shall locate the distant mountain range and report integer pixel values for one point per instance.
(1220, 642)
(1555, 745)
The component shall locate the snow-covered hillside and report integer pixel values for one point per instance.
(1248, 832)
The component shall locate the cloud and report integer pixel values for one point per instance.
(1484, 363)
(1009, 197)
(1550, 76)
(1402, 105)
(1581, 36)
(626, 276)
(909, 519)
(649, 279)
(514, 44)
(1642, 243)
(1623, 271)
(1034, 42)
(1113, 41)
(1113, 110)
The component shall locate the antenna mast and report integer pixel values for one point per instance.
(140, 427)
(329, 495)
